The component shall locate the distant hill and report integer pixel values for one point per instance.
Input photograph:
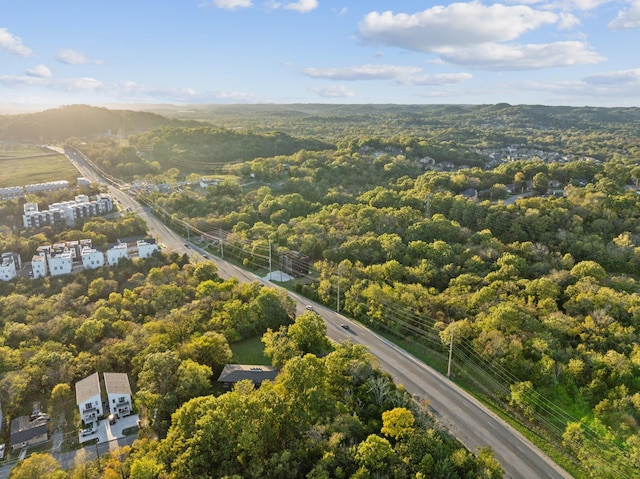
(58, 124)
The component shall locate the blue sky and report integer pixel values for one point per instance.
(555, 52)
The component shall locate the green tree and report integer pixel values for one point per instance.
(375, 454)
(38, 466)
(541, 183)
(397, 423)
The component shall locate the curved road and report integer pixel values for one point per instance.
(465, 417)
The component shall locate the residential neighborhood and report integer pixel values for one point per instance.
(65, 258)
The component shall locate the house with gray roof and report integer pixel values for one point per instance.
(119, 393)
(88, 398)
(232, 373)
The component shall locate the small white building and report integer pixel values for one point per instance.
(146, 248)
(118, 393)
(82, 181)
(88, 398)
(116, 253)
(39, 266)
(10, 264)
(91, 258)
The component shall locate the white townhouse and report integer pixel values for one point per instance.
(116, 253)
(91, 258)
(88, 398)
(11, 192)
(10, 264)
(39, 266)
(60, 262)
(50, 186)
(146, 248)
(118, 393)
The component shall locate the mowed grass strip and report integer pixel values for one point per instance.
(26, 170)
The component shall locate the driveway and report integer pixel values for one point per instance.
(109, 433)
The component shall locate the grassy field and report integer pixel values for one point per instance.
(19, 167)
(249, 351)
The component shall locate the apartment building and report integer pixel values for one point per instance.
(67, 212)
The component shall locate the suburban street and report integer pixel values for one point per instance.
(467, 419)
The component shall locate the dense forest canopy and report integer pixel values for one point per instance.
(77, 120)
(169, 324)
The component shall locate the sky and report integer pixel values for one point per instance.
(544, 52)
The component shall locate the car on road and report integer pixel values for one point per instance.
(309, 307)
(344, 326)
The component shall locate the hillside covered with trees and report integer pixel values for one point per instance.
(509, 232)
(170, 324)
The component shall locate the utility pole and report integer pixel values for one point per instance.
(221, 243)
(269, 259)
(338, 295)
(453, 325)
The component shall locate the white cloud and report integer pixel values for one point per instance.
(627, 19)
(455, 25)
(580, 5)
(522, 57)
(621, 77)
(126, 90)
(40, 71)
(599, 89)
(302, 6)
(333, 91)
(478, 36)
(363, 72)
(13, 44)
(434, 79)
(410, 76)
(228, 4)
(72, 57)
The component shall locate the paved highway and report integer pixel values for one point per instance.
(465, 417)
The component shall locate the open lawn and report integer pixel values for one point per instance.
(24, 167)
(249, 351)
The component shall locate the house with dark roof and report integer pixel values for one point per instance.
(25, 432)
(232, 373)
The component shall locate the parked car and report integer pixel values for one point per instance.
(87, 431)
